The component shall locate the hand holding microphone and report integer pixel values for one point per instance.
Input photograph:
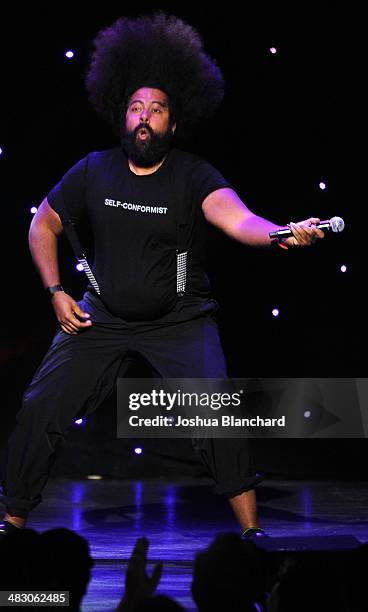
(307, 232)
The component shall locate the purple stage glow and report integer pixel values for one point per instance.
(138, 450)
(1, 151)
(343, 268)
(275, 312)
(322, 186)
(79, 267)
(69, 54)
(33, 210)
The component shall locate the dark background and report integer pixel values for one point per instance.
(285, 125)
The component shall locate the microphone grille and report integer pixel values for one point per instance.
(337, 224)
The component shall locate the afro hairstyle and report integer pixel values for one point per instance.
(160, 51)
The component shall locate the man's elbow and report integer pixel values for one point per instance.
(45, 220)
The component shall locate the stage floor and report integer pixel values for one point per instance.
(182, 517)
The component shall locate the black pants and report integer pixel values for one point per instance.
(79, 372)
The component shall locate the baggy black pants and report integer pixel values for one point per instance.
(79, 372)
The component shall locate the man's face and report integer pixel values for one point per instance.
(148, 128)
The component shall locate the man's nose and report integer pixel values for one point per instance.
(144, 116)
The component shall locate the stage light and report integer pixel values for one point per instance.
(138, 450)
(33, 210)
(273, 50)
(307, 414)
(79, 422)
(69, 54)
(79, 267)
(94, 477)
(275, 312)
(343, 268)
(322, 186)
(1, 151)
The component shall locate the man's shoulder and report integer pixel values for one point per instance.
(105, 155)
(193, 165)
(197, 165)
(180, 156)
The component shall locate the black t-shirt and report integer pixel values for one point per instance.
(135, 226)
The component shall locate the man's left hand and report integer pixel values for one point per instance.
(304, 233)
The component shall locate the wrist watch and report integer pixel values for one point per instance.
(51, 290)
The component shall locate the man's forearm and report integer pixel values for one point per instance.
(255, 231)
(43, 244)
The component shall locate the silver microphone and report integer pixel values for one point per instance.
(336, 224)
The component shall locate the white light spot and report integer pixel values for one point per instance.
(33, 210)
(322, 186)
(343, 268)
(275, 312)
(69, 54)
(79, 267)
(273, 50)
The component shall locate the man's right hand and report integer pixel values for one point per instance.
(68, 312)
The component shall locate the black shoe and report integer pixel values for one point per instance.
(252, 533)
(7, 528)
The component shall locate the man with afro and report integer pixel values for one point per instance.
(149, 203)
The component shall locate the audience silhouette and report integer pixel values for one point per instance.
(229, 575)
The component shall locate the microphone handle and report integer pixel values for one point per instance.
(286, 232)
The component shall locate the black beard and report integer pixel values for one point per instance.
(146, 153)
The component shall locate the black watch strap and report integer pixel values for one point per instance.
(53, 289)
